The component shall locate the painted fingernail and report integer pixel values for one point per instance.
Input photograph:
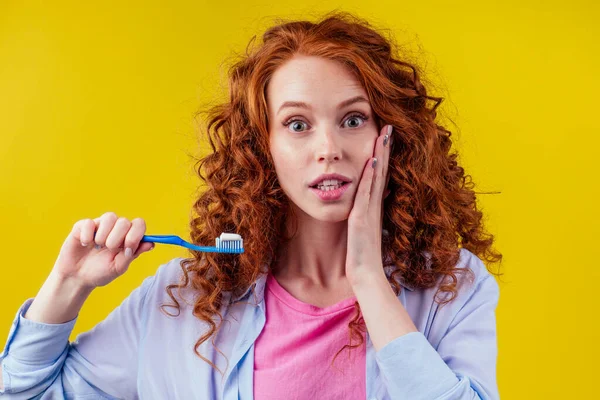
(374, 162)
(128, 252)
(386, 139)
(390, 128)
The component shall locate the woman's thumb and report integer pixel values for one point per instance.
(144, 247)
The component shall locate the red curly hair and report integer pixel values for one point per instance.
(430, 213)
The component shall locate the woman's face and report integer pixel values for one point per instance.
(320, 137)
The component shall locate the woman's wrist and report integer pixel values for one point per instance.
(59, 300)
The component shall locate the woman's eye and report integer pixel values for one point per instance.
(297, 124)
(355, 117)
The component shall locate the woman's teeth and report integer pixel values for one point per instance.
(327, 188)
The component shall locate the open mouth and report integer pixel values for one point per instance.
(327, 188)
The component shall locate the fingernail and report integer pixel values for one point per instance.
(386, 139)
(128, 252)
(390, 128)
(374, 162)
(84, 244)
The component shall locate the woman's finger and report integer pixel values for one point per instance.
(382, 154)
(363, 193)
(135, 234)
(104, 224)
(115, 238)
(83, 231)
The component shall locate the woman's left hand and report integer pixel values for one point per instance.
(366, 217)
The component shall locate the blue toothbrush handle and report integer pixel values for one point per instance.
(168, 239)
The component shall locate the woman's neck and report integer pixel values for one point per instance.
(316, 254)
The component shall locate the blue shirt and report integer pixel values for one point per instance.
(139, 352)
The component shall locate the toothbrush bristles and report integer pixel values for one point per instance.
(230, 243)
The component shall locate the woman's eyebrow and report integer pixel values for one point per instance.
(345, 103)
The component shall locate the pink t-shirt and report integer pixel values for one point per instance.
(293, 354)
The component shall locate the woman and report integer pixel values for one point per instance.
(367, 283)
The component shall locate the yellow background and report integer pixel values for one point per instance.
(96, 115)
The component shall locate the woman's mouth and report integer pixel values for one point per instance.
(330, 192)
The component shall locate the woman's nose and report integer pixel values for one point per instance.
(328, 148)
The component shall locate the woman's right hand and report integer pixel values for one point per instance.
(119, 244)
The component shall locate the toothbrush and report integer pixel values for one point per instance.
(226, 243)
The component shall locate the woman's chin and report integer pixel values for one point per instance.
(331, 214)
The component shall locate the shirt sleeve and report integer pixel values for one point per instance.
(38, 361)
(464, 364)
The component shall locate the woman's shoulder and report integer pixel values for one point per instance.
(471, 262)
(471, 276)
(435, 311)
(168, 274)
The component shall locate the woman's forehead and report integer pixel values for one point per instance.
(307, 76)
